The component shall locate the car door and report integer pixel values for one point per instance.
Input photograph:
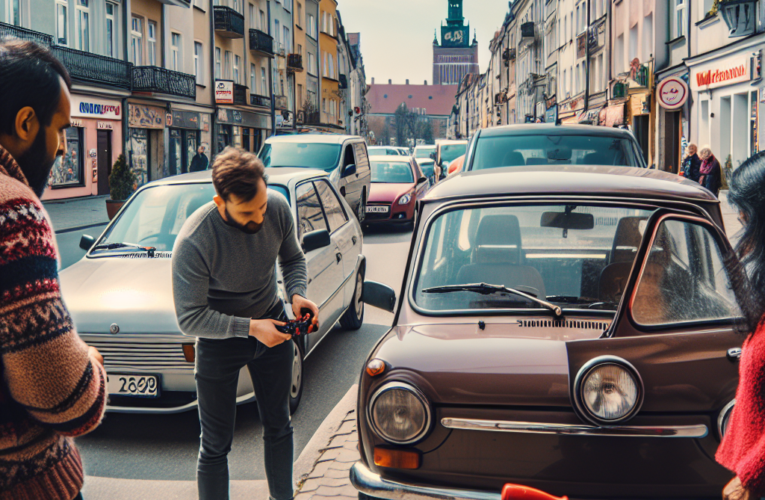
(324, 271)
(420, 188)
(363, 168)
(350, 185)
(345, 235)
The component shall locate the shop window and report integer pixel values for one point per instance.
(224, 137)
(68, 169)
(139, 155)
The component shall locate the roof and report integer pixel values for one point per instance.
(537, 128)
(282, 176)
(312, 138)
(434, 99)
(390, 158)
(631, 182)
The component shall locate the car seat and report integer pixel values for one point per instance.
(613, 277)
(513, 159)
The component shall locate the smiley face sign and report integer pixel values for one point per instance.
(672, 92)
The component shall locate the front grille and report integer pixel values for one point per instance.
(141, 354)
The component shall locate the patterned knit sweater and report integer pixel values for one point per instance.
(50, 388)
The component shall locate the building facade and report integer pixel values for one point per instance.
(454, 56)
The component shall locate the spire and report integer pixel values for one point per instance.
(435, 37)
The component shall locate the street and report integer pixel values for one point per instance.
(121, 446)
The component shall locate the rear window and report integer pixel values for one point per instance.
(450, 152)
(554, 149)
(397, 172)
(302, 155)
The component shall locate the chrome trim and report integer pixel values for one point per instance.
(724, 413)
(405, 387)
(670, 431)
(373, 484)
(582, 375)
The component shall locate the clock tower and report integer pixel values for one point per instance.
(454, 56)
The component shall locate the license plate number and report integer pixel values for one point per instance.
(144, 386)
(377, 210)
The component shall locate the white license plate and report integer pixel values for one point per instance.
(377, 210)
(144, 386)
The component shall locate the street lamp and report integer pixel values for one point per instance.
(740, 16)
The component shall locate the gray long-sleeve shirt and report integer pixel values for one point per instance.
(222, 276)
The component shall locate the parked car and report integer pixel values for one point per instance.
(428, 168)
(456, 166)
(446, 152)
(567, 328)
(383, 151)
(549, 144)
(422, 152)
(343, 157)
(397, 184)
(121, 297)
(404, 151)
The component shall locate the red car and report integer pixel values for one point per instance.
(397, 184)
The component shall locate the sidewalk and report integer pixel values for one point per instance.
(69, 215)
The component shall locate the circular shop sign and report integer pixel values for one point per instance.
(672, 92)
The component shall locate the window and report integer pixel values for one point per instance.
(111, 29)
(619, 54)
(152, 43)
(325, 63)
(62, 26)
(227, 65)
(253, 79)
(311, 63)
(680, 21)
(277, 34)
(563, 84)
(14, 12)
(136, 43)
(333, 209)
(571, 24)
(251, 16)
(263, 82)
(83, 25)
(175, 43)
(218, 75)
(300, 49)
(199, 63)
(310, 216)
(565, 29)
(287, 40)
(237, 5)
(633, 48)
(647, 38)
(288, 5)
(312, 25)
(67, 170)
(299, 19)
(237, 65)
(263, 25)
(578, 83)
(324, 104)
(300, 96)
(578, 24)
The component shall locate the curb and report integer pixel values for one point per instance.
(313, 450)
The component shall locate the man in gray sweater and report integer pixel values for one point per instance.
(224, 283)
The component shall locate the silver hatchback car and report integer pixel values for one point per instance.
(121, 298)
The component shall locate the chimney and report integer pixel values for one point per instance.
(407, 81)
(390, 82)
(373, 80)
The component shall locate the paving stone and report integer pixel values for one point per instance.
(320, 470)
(330, 454)
(337, 474)
(347, 428)
(345, 466)
(312, 484)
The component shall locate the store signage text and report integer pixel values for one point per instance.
(89, 108)
(77, 123)
(718, 77)
(224, 92)
(105, 126)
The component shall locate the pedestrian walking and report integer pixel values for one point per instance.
(743, 448)
(691, 163)
(199, 162)
(225, 289)
(709, 171)
(52, 385)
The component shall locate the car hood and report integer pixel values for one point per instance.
(134, 293)
(506, 363)
(382, 192)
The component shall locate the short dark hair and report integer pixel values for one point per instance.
(236, 171)
(29, 76)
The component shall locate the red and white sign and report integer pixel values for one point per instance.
(672, 92)
(101, 109)
(721, 73)
(224, 92)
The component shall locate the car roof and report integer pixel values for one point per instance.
(450, 141)
(390, 158)
(312, 138)
(547, 128)
(283, 176)
(577, 180)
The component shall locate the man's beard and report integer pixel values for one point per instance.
(249, 228)
(36, 165)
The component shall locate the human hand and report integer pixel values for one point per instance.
(94, 354)
(299, 303)
(734, 490)
(265, 331)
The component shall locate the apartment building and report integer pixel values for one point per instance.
(330, 97)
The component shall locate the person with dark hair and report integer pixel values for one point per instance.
(199, 162)
(743, 448)
(52, 385)
(224, 284)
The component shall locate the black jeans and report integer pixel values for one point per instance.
(218, 363)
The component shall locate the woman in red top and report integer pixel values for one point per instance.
(743, 447)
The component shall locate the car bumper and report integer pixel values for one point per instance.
(396, 214)
(374, 485)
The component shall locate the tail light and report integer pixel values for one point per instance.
(518, 492)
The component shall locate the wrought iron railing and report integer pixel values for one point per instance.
(295, 62)
(240, 94)
(164, 81)
(261, 42)
(228, 22)
(9, 30)
(93, 68)
(260, 100)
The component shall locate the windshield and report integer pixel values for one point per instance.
(574, 256)
(392, 172)
(302, 155)
(155, 216)
(377, 151)
(451, 151)
(554, 149)
(424, 152)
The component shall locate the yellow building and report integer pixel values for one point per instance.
(295, 63)
(330, 92)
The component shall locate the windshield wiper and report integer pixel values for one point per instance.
(582, 301)
(114, 246)
(486, 289)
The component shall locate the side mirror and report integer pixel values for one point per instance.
(379, 295)
(315, 240)
(421, 180)
(433, 156)
(87, 242)
(349, 170)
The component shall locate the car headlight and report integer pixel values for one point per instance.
(724, 418)
(399, 413)
(608, 390)
(405, 199)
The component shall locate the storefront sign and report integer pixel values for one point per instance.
(243, 118)
(185, 119)
(672, 92)
(224, 92)
(87, 107)
(77, 123)
(105, 126)
(146, 117)
(551, 116)
(727, 72)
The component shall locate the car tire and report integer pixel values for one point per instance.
(354, 316)
(296, 386)
(361, 212)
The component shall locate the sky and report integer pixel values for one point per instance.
(397, 35)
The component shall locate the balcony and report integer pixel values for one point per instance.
(164, 81)
(260, 100)
(261, 42)
(95, 69)
(240, 95)
(228, 22)
(295, 63)
(9, 30)
(343, 82)
(176, 3)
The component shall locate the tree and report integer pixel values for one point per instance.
(385, 136)
(425, 131)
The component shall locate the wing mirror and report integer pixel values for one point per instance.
(433, 156)
(87, 242)
(349, 170)
(421, 180)
(315, 240)
(379, 295)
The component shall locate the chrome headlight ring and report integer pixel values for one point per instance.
(724, 418)
(401, 386)
(582, 376)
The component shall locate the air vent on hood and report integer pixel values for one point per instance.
(565, 323)
(157, 255)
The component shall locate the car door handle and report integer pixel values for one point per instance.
(339, 257)
(734, 353)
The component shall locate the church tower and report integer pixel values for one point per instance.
(454, 56)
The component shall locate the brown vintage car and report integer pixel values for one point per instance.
(566, 328)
